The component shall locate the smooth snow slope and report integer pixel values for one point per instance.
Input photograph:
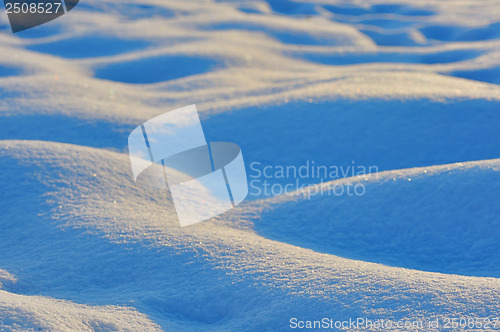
(86, 233)
(36, 313)
(409, 87)
(440, 218)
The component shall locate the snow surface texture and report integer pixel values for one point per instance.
(410, 87)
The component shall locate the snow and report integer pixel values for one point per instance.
(94, 237)
(36, 313)
(439, 218)
(408, 87)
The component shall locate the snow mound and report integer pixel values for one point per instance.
(38, 313)
(63, 204)
(440, 218)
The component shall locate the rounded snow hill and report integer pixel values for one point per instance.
(39, 313)
(440, 218)
(76, 228)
